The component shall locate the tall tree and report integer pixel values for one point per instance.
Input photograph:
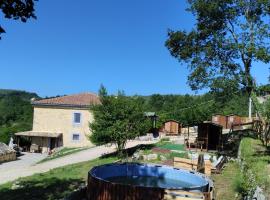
(117, 120)
(229, 36)
(17, 9)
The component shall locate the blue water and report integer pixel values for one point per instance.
(150, 181)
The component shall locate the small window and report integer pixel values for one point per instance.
(75, 137)
(77, 118)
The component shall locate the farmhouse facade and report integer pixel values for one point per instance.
(61, 121)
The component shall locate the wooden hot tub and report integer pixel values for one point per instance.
(145, 182)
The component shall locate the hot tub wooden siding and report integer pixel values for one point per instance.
(100, 188)
(103, 190)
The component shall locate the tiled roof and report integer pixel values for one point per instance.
(77, 100)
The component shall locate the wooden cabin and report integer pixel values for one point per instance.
(172, 127)
(233, 119)
(220, 120)
(209, 135)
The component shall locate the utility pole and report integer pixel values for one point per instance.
(250, 109)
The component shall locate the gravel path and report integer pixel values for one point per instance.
(26, 166)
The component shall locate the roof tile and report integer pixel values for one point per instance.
(80, 100)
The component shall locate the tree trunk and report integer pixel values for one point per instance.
(248, 78)
(120, 146)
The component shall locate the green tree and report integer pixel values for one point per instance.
(229, 36)
(156, 101)
(17, 9)
(16, 112)
(117, 120)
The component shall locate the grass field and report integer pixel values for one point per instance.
(233, 183)
(63, 152)
(257, 159)
(226, 183)
(171, 146)
(52, 185)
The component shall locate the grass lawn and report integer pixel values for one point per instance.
(232, 183)
(165, 149)
(171, 146)
(63, 152)
(257, 159)
(226, 184)
(55, 184)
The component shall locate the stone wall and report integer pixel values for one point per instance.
(9, 156)
(60, 120)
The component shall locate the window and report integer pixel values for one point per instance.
(75, 136)
(77, 118)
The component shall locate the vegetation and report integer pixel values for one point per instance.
(17, 9)
(55, 184)
(117, 120)
(16, 113)
(263, 111)
(228, 182)
(228, 37)
(255, 164)
(63, 152)
(165, 149)
(192, 109)
(171, 146)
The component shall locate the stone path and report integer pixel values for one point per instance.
(26, 165)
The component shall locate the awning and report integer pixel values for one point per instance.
(38, 134)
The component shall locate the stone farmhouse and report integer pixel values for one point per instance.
(61, 121)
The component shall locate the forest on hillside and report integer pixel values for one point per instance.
(193, 109)
(16, 112)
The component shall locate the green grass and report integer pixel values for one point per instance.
(164, 144)
(227, 184)
(257, 159)
(55, 184)
(171, 146)
(63, 152)
(179, 155)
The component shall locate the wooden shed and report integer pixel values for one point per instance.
(209, 135)
(233, 119)
(172, 127)
(220, 120)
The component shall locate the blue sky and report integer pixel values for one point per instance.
(74, 46)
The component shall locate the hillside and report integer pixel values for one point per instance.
(192, 109)
(16, 112)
